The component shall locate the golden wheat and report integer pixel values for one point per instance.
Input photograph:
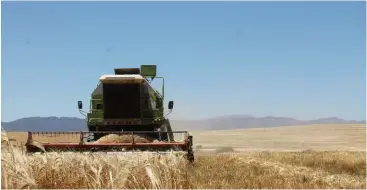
(137, 170)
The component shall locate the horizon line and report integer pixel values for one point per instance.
(206, 118)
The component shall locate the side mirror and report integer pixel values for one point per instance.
(170, 105)
(80, 105)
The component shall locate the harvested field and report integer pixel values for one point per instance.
(244, 170)
(325, 137)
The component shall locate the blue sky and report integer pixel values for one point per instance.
(295, 59)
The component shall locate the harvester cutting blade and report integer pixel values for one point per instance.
(129, 142)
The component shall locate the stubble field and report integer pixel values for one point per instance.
(337, 161)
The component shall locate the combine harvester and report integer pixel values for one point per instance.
(123, 104)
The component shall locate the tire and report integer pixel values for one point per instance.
(169, 128)
(166, 127)
(163, 136)
(94, 136)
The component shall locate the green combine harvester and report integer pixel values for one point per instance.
(124, 103)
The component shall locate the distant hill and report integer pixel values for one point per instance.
(217, 123)
(45, 124)
(241, 122)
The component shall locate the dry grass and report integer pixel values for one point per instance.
(245, 170)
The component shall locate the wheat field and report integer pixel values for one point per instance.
(301, 168)
(244, 170)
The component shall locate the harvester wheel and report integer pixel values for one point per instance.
(163, 136)
(190, 156)
(95, 136)
(169, 129)
(166, 127)
(190, 151)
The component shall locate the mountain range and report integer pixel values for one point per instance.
(217, 123)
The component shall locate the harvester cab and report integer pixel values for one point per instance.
(125, 103)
